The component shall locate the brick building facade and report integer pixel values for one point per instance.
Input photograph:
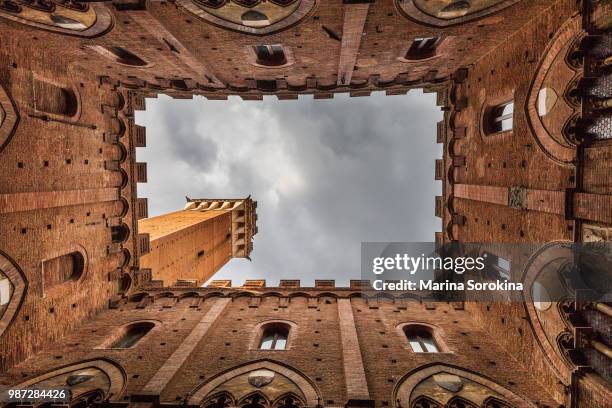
(525, 87)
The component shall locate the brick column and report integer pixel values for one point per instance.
(352, 30)
(163, 376)
(354, 374)
(15, 202)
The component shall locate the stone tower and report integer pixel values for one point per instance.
(187, 247)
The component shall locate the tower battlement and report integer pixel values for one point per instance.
(191, 245)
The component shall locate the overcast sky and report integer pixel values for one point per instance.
(327, 174)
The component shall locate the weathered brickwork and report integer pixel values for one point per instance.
(87, 278)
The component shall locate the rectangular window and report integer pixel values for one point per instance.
(499, 118)
(270, 55)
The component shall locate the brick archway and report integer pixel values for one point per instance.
(102, 16)
(10, 269)
(412, 11)
(305, 385)
(538, 261)
(562, 153)
(403, 391)
(305, 8)
(116, 375)
(9, 118)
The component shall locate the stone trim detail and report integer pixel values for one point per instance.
(410, 10)
(311, 394)
(561, 154)
(163, 376)
(11, 118)
(517, 197)
(104, 23)
(305, 7)
(113, 370)
(403, 390)
(354, 372)
(540, 258)
(20, 285)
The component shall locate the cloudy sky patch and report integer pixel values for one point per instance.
(327, 174)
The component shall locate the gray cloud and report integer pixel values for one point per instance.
(328, 174)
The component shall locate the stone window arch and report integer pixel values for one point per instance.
(54, 99)
(449, 13)
(220, 400)
(8, 118)
(99, 379)
(254, 400)
(253, 17)
(276, 383)
(13, 287)
(458, 402)
(425, 402)
(441, 385)
(543, 287)
(129, 335)
(74, 19)
(289, 400)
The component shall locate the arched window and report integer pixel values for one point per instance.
(255, 400)
(547, 99)
(67, 22)
(54, 99)
(493, 402)
(423, 48)
(425, 402)
(253, 18)
(119, 233)
(499, 118)
(289, 400)
(455, 9)
(6, 292)
(131, 334)
(458, 402)
(126, 57)
(274, 337)
(270, 55)
(64, 268)
(221, 400)
(247, 3)
(421, 339)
